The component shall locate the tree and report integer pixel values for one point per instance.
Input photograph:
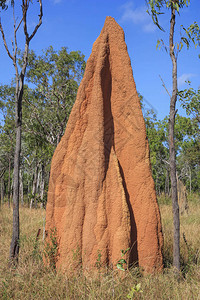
(56, 76)
(19, 85)
(190, 154)
(7, 137)
(155, 8)
(156, 133)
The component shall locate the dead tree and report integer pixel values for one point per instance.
(19, 81)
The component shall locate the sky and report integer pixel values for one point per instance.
(76, 24)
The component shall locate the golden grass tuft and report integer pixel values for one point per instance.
(32, 280)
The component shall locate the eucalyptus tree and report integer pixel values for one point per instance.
(156, 8)
(7, 135)
(56, 76)
(190, 154)
(19, 85)
(156, 133)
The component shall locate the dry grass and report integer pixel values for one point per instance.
(32, 280)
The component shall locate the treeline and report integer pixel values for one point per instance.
(187, 141)
(52, 81)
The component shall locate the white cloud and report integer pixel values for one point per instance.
(137, 16)
(184, 77)
(149, 27)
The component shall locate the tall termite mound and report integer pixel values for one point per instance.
(101, 197)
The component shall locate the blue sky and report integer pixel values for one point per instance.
(76, 24)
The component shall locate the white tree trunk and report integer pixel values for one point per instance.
(2, 190)
(42, 185)
(21, 189)
(34, 185)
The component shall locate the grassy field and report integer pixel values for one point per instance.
(32, 280)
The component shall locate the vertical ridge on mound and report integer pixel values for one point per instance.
(101, 196)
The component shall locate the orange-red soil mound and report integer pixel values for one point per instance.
(101, 197)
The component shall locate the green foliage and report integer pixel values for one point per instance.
(157, 131)
(122, 263)
(7, 134)
(191, 34)
(186, 141)
(54, 77)
(156, 8)
(190, 101)
(189, 158)
(98, 261)
(134, 290)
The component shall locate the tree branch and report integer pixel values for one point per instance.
(37, 117)
(25, 5)
(19, 25)
(15, 36)
(2, 172)
(163, 84)
(4, 41)
(39, 22)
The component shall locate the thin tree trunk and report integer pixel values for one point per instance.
(2, 186)
(2, 190)
(167, 183)
(9, 175)
(168, 189)
(35, 176)
(11, 188)
(21, 189)
(28, 191)
(37, 187)
(172, 152)
(42, 185)
(14, 246)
